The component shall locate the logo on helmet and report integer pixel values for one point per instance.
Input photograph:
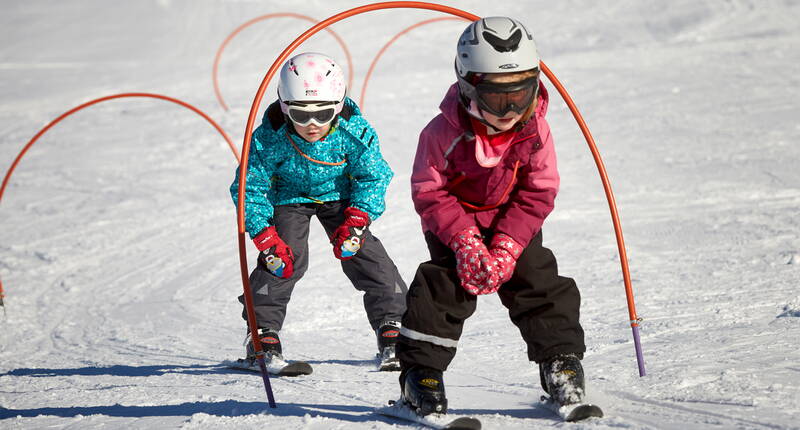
(509, 66)
(312, 93)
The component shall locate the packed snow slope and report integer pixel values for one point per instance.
(118, 237)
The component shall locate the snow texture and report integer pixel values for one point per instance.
(118, 251)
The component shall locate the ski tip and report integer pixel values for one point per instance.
(583, 412)
(573, 412)
(297, 368)
(464, 423)
(401, 410)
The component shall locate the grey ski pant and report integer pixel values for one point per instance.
(370, 270)
(543, 305)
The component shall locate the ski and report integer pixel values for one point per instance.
(573, 412)
(277, 367)
(399, 409)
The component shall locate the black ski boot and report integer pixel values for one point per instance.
(387, 340)
(562, 378)
(423, 390)
(270, 344)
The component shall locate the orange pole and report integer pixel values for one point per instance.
(93, 102)
(218, 56)
(612, 205)
(389, 43)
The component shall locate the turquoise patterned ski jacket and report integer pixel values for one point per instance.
(278, 174)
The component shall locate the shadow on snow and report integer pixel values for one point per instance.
(121, 370)
(345, 362)
(227, 408)
(233, 408)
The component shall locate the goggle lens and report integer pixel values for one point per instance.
(303, 116)
(502, 98)
(502, 102)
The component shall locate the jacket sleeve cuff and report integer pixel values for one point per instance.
(253, 230)
(363, 208)
(447, 234)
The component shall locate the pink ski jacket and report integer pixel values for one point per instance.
(452, 191)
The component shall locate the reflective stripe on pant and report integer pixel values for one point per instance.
(370, 270)
(543, 305)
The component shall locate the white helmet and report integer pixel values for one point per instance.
(311, 77)
(495, 44)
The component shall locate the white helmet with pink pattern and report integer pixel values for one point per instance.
(312, 77)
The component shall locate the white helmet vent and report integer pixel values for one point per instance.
(495, 45)
(504, 45)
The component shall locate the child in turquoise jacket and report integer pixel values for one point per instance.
(315, 155)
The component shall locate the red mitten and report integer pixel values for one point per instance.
(475, 266)
(506, 251)
(275, 253)
(348, 238)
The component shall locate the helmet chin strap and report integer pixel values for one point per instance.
(478, 115)
(474, 111)
(487, 124)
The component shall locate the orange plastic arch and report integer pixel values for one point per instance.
(93, 102)
(389, 43)
(634, 320)
(218, 56)
(612, 205)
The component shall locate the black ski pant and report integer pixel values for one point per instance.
(370, 270)
(543, 305)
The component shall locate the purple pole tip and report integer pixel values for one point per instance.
(267, 385)
(638, 345)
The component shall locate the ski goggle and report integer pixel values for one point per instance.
(305, 114)
(501, 98)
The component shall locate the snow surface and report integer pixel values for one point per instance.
(118, 238)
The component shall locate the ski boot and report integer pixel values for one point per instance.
(270, 344)
(561, 377)
(387, 340)
(423, 390)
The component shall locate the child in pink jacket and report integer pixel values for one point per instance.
(484, 181)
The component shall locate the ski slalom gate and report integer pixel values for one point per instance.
(58, 119)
